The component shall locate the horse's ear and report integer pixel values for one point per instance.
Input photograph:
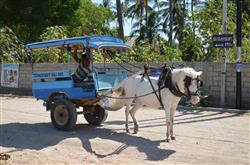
(199, 73)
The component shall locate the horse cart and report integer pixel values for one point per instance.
(65, 98)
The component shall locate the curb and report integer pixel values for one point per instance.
(180, 107)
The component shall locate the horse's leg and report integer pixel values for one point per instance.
(172, 113)
(132, 113)
(126, 115)
(168, 121)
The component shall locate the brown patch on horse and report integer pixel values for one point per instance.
(120, 91)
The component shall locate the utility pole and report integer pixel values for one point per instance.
(238, 64)
(224, 57)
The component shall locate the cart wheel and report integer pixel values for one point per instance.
(63, 114)
(98, 116)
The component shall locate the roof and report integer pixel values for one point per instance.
(95, 42)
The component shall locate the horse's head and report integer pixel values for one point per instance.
(192, 84)
(188, 82)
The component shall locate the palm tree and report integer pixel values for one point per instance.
(148, 31)
(107, 4)
(138, 9)
(173, 17)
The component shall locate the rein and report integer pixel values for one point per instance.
(154, 91)
(138, 67)
(121, 98)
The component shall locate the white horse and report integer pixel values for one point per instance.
(174, 84)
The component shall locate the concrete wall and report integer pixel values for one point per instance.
(211, 78)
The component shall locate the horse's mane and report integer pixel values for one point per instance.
(188, 71)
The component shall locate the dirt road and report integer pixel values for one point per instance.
(202, 137)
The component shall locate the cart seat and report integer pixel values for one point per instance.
(86, 84)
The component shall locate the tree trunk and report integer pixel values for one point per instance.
(192, 10)
(171, 23)
(183, 23)
(119, 18)
(146, 10)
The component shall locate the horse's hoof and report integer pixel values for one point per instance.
(135, 131)
(127, 130)
(167, 140)
(172, 137)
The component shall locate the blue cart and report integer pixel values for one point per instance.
(62, 96)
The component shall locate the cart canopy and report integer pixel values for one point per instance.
(94, 42)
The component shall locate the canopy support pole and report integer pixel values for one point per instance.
(68, 53)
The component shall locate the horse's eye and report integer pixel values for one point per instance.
(201, 83)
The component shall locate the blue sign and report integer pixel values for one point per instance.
(223, 41)
(238, 67)
(47, 75)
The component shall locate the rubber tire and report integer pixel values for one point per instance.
(72, 115)
(97, 117)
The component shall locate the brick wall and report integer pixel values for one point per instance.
(211, 78)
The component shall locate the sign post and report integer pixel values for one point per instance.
(223, 41)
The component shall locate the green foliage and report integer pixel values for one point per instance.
(192, 47)
(11, 48)
(92, 19)
(160, 52)
(54, 32)
(33, 21)
(27, 21)
(245, 41)
(179, 15)
(148, 31)
(138, 9)
(28, 18)
(208, 22)
(52, 55)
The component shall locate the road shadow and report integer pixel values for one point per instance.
(38, 136)
(180, 118)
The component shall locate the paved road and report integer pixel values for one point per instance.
(202, 137)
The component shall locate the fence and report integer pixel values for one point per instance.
(211, 78)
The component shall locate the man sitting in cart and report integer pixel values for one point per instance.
(83, 70)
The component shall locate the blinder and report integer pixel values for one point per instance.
(187, 82)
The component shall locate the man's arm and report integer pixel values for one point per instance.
(75, 55)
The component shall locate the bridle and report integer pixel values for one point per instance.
(165, 80)
(187, 82)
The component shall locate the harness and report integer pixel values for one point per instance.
(165, 81)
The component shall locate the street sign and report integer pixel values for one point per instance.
(223, 41)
